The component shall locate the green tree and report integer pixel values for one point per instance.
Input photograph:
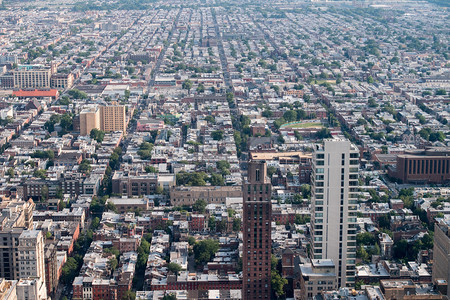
(267, 113)
(191, 241)
(437, 136)
(192, 179)
(64, 100)
(10, 172)
(127, 94)
(230, 98)
(217, 180)
(323, 133)
(271, 170)
(159, 190)
(199, 206)
(129, 295)
(187, 85)
(97, 135)
(205, 250)
(217, 135)
(278, 283)
(221, 226)
(66, 123)
(145, 151)
(210, 119)
(95, 223)
(150, 169)
(223, 165)
(69, 270)
(77, 94)
(362, 254)
(441, 92)
(112, 264)
(174, 268)
(200, 88)
(169, 297)
(111, 207)
(40, 173)
(305, 189)
(85, 166)
(290, 115)
(237, 224)
(302, 219)
(400, 249)
(372, 102)
(212, 223)
(365, 238)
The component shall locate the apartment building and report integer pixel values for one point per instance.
(109, 117)
(317, 276)
(334, 203)
(32, 76)
(89, 119)
(113, 117)
(256, 251)
(31, 254)
(62, 81)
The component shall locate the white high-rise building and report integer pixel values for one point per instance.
(334, 202)
(31, 255)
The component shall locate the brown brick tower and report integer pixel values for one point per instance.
(257, 249)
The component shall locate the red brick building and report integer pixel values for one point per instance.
(197, 222)
(283, 217)
(431, 165)
(190, 282)
(257, 248)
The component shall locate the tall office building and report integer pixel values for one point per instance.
(256, 232)
(334, 185)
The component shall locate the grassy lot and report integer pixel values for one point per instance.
(303, 125)
(327, 81)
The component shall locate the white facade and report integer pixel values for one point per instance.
(31, 289)
(334, 202)
(31, 255)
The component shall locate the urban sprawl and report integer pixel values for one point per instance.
(224, 149)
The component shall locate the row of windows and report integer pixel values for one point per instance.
(427, 166)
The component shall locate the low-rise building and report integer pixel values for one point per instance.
(317, 276)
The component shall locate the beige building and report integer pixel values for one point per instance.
(406, 289)
(138, 185)
(188, 195)
(31, 288)
(110, 117)
(31, 254)
(113, 117)
(89, 119)
(129, 204)
(16, 217)
(317, 277)
(62, 81)
(441, 256)
(32, 76)
(8, 289)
